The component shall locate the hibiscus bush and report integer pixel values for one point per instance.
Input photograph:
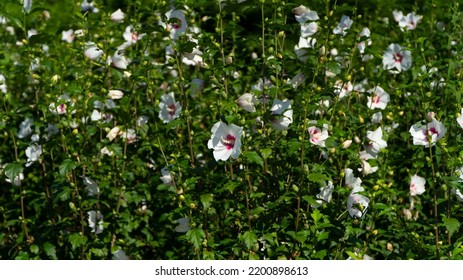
(270, 129)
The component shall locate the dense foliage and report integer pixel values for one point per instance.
(271, 129)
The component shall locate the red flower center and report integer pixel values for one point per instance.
(229, 141)
(398, 57)
(171, 109)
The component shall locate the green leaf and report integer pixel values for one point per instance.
(254, 157)
(206, 200)
(66, 166)
(451, 224)
(266, 152)
(249, 239)
(187, 47)
(316, 215)
(34, 249)
(196, 237)
(116, 149)
(50, 250)
(317, 177)
(12, 170)
(334, 67)
(77, 240)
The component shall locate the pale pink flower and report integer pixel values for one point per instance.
(131, 36)
(170, 109)
(130, 135)
(318, 136)
(408, 22)
(68, 36)
(417, 185)
(379, 98)
(396, 59)
(225, 141)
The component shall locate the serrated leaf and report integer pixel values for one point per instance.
(451, 224)
(34, 249)
(77, 240)
(266, 152)
(196, 237)
(187, 47)
(249, 238)
(317, 177)
(206, 200)
(50, 250)
(12, 170)
(254, 158)
(66, 166)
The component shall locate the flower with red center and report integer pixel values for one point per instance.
(225, 141)
(177, 24)
(429, 133)
(318, 136)
(170, 109)
(395, 59)
(379, 99)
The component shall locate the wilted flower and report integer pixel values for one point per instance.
(91, 186)
(346, 144)
(2, 84)
(379, 99)
(325, 194)
(184, 225)
(376, 143)
(281, 107)
(115, 94)
(362, 45)
(432, 131)
(343, 25)
(304, 14)
(170, 109)
(342, 89)
(88, 7)
(120, 255)
(357, 205)
(117, 16)
(95, 221)
(166, 177)
(130, 135)
(118, 60)
(33, 153)
(309, 29)
(351, 181)
(395, 59)
(225, 140)
(366, 168)
(105, 151)
(247, 102)
(92, 51)
(113, 133)
(417, 185)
